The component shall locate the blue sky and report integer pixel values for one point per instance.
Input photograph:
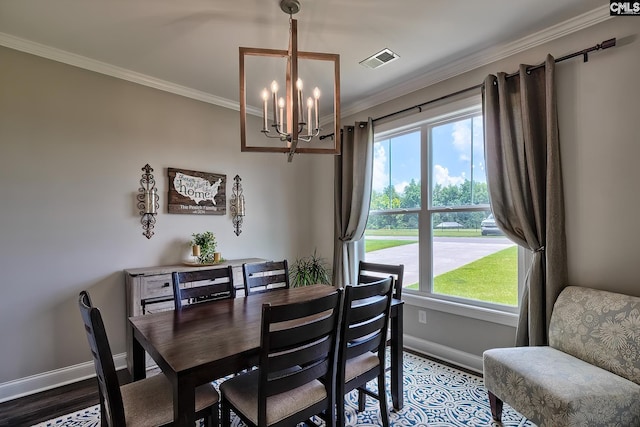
(452, 156)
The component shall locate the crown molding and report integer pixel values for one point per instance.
(79, 61)
(428, 78)
(479, 59)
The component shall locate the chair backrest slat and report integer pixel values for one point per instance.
(291, 380)
(202, 285)
(296, 335)
(362, 329)
(265, 276)
(371, 272)
(366, 311)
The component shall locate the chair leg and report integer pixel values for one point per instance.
(382, 399)
(341, 418)
(361, 400)
(226, 413)
(103, 413)
(330, 414)
(214, 418)
(496, 407)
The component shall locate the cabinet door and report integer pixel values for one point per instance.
(156, 286)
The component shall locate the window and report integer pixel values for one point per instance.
(443, 232)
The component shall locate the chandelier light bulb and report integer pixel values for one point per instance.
(309, 110)
(299, 101)
(281, 117)
(316, 96)
(274, 86)
(265, 97)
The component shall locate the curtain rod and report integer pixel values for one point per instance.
(584, 53)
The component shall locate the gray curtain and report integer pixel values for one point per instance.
(352, 193)
(525, 186)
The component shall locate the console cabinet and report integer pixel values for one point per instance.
(150, 290)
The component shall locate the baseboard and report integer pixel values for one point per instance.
(448, 354)
(59, 377)
(52, 379)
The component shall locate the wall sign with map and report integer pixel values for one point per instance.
(201, 193)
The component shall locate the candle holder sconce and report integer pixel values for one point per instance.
(237, 205)
(148, 201)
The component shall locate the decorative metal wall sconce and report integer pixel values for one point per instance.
(237, 205)
(148, 201)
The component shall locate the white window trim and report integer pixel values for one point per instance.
(495, 313)
(492, 315)
(507, 316)
(429, 116)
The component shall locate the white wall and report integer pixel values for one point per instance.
(72, 146)
(598, 105)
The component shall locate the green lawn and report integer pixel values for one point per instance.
(393, 232)
(490, 279)
(374, 244)
(462, 232)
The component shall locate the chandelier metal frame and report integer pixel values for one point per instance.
(292, 135)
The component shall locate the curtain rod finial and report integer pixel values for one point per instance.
(608, 43)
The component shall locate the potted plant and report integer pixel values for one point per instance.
(204, 247)
(309, 271)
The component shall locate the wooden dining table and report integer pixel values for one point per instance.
(208, 341)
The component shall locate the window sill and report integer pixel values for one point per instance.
(451, 307)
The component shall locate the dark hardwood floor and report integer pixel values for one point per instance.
(43, 406)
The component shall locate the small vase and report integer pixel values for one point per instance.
(216, 257)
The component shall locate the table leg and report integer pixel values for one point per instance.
(139, 363)
(184, 403)
(397, 374)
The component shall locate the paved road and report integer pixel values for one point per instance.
(449, 253)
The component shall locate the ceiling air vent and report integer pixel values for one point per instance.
(379, 59)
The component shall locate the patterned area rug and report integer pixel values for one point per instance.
(435, 395)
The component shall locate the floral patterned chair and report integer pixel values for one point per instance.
(589, 375)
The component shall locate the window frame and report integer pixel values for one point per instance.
(458, 109)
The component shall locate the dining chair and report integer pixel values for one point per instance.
(371, 272)
(147, 402)
(202, 285)
(295, 376)
(362, 342)
(265, 276)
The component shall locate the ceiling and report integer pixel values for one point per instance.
(191, 46)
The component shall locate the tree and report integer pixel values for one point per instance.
(411, 196)
(464, 194)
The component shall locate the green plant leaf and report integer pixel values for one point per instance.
(309, 270)
(207, 243)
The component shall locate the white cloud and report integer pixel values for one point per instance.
(462, 139)
(380, 177)
(401, 186)
(441, 176)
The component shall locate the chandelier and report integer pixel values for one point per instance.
(287, 116)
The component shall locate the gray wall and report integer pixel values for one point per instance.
(598, 105)
(72, 146)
